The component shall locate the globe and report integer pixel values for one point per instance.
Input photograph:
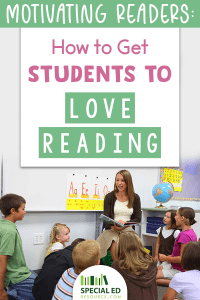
(163, 192)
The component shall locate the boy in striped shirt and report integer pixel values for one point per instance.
(84, 255)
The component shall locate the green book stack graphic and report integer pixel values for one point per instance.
(91, 280)
(105, 279)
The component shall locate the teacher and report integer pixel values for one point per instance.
(122, 205)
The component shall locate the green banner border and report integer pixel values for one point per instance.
(105, 14)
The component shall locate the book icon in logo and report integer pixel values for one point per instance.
(92, 280)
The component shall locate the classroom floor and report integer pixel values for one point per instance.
(162, 290)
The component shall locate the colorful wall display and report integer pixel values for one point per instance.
(85, 192)
(174, 176)
(186, 179)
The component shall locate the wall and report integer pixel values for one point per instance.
(43, 222)
(178, 203)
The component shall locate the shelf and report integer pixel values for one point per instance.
(156, 209)
(150, 234)
(164, 209)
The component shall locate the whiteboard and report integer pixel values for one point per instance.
(45, 189)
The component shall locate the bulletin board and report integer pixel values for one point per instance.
(174, 176)
(185, 179)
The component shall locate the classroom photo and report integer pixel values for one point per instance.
(141, 222)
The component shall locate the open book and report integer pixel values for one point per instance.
(111, 221)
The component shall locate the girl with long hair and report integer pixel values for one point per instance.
(59, 235)
(166, 237)
(136, 267)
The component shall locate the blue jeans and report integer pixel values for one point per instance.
(23, 289)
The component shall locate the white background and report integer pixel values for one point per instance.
(157, 103)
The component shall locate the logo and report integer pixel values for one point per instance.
(100, 282)
(92, 280)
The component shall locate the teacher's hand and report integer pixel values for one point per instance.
(118, 228)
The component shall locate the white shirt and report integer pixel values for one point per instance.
(167, 232)
(57, 246)
(188, 284)
(122, 212)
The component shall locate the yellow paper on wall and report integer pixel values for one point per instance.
(72, 204)
(84, 204)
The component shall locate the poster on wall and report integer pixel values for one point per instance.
(85, 192)
(99, 93)
(173, 176)
(185, 180)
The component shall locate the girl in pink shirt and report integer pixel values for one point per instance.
(184, 218)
